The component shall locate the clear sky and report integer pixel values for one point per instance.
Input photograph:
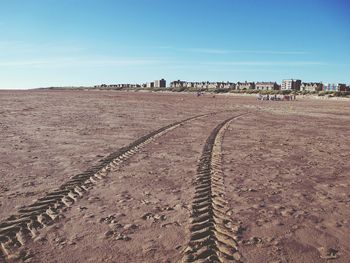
(84, 42)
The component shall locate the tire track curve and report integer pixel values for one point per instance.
(18, 228)
(210, 231)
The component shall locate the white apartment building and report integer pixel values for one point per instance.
(291, 84)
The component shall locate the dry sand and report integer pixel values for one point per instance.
(279, 178)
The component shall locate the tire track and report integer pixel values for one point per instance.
(211, 235)
(18, 228)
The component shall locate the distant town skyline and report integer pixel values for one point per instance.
(83, 43)
(227, 86)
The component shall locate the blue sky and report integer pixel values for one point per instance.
(84, 42)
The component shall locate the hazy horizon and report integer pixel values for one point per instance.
(85, 43)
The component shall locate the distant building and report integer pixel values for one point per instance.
(204, 85)
(190, 84)
(226, 85)
(150, 84)
(118, 86)
(330, 87)
(178, 84)
(266, 86)
(334, 87)
(212, 85)
(343, 87)
(311, 86)
(125, 85)
(291, 84)
(245, 85)
(160, 83)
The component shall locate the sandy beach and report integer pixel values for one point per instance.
(103, 176)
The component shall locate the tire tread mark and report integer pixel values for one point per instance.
(210, 233)
(26, 223)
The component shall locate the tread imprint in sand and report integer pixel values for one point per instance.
(210, 232)
(26, 223)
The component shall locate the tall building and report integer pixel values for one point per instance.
(160, 83)
(150, 84)
(291, 84)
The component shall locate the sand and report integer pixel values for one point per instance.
(74, 187)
